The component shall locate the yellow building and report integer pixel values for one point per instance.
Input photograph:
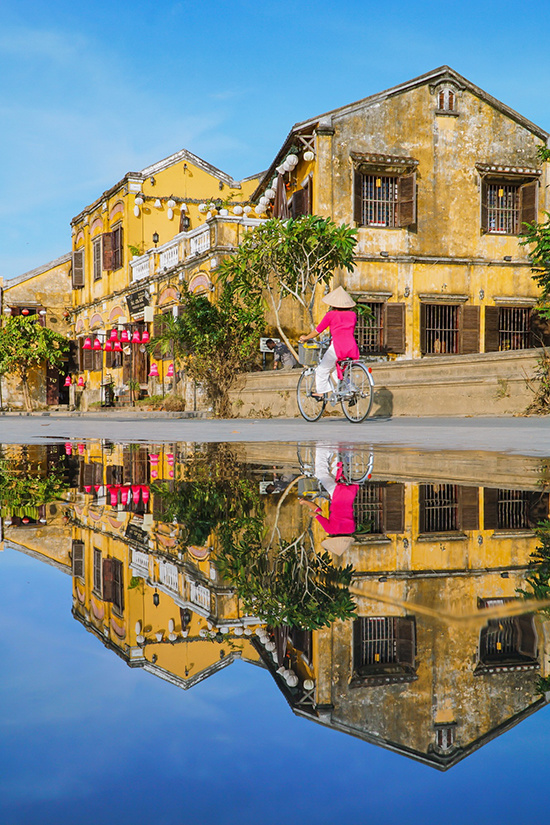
(133, 247)
(438, 177)
(46, 292)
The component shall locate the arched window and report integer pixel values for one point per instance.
(446, 100)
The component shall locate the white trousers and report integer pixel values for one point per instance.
(324, 471)
(323, 371)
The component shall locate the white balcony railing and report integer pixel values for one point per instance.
(140, 268)
(140, 563)
(168, 575)
(199, 595)
(169, 257)
(200, 242)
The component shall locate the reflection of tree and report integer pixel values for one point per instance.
(538, 576)
(280, 580)
(23, 488)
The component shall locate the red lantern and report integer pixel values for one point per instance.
(87, 488)
(80, 381)
(124, 336)
(170, 459)
(136, 492)
(117, 347)
(154, 458)
(170, 371)
(145, 337)
(87, 344)
(68, 381)
(144, 494)
(108, 346)
(154, 371)
(97, 488)
(113, 492)
(97, 345)
(81, 449)
(114, 335)
(69, 448)
(25, 520)
(124, 491)
(25, 312)
(136, 338)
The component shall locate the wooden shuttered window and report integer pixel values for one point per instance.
(540, 330)
(77, 274)
(98, 258)
(484, 206)
(394, 508)
(78, 558)
(406, 200)
(492, 338)
(519, 205)
(300, 203)
(108, 250)
(357, 196)
(468, 504)
(394, 332)
(528, 203)
(113, 253)
(113, 583)
(135, 464)
(469, 337)
(513, 509)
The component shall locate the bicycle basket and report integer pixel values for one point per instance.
(308, 354)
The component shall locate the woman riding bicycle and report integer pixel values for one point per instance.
(341, 320)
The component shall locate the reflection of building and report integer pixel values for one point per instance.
(440, 658)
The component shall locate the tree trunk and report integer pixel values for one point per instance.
(26, 394)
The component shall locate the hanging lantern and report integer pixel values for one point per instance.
(124, 337)
(171, 473)
(145, 337)
(292, 160)
(97, 488)
(270, 193)
(97, 345)
(24, 312)
(171, 203)
(114, 335)
(25, 520)
(170, 371)
(309, 156)
(237, 210)
(136, 211)
(154, 371)
(68, 381)
(108, 346)
(170, 214)
(154, 473)
(136, 338)
(203, 208)
(80, 381)
(117, 347)
(247, 210)
(139, 200)
(158, 204)
(87, 344)
(144, 494)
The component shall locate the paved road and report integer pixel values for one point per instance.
(525, 436)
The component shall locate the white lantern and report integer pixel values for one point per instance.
(237, 210)
(183, 207)
(259, 209)
(264, 201)
(136, 211)
(203, 208)
(309, 156)
(171, 625)
(138, 628)
(309, 684)
(224, 629)
(292, 160)
(171, 203)
(202, 632)
(274, 183)
(247, 210)
(270, 193)
(185, 633)
(170, 214)
(292, 681)
(140, 639)
(224, 212)
(158, 204)
(270, 646)
(139, 200)
(238, 631)
(281, 169)
(208, 214)
(159, 636)
(259, 631)
(248, 631)
(288, 167)
(172, 637)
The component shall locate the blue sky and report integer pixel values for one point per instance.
(90, 91)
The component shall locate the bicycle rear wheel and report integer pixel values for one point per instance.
(357, 465)
(310, 408)
(359, 395)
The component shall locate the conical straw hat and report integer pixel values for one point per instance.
(339, 299)
(337, 544)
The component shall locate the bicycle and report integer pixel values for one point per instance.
(354, 391)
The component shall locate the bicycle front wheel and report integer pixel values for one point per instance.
(310, 408)
(359, 392)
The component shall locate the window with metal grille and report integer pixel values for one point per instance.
(503, 208)
(514, 328)
(384, 646)
(438, 508)
(441, 328)
(508, 641)
(368, 509)
(369, 331)
(379, 196)
(513, 510)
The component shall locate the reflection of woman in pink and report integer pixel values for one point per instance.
(340, 524)
(341, 320)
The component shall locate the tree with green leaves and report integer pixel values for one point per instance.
(24, 488)
(214, 341)
(25, 345)
(290, 259)
(537, 236)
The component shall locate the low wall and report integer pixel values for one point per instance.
(483, 384)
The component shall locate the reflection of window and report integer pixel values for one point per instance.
(508, 643)
(514, 509)
(98, 582)
(448, 508)
(379, 509)
(384, 648)
(113, 583)
(78, 558)
(445, 737)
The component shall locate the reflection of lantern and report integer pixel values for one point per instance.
(124, 336)
(154, 371)
(170, 371)
(81, 449)
(144, 494)
(97, 345)
(68, 381)
(136, 492)
(87, 344)
(170, 458)
(145, 337)
(136, 338)
(108, 346)
(154, 472)
(80, 381)
(171, 473)
(25, 312)
(124, 496)
(113, 492)
(114, 335)
(117, 347)
(97, 488)
(87, 488)
(25, 520)
(154, 458)
(69, 448)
